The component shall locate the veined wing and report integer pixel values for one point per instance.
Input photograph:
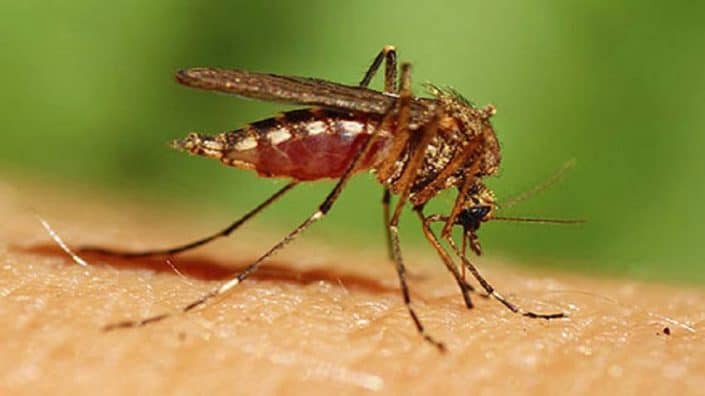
(297, 90)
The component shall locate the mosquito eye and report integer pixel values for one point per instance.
(471, 217)
(479, 212)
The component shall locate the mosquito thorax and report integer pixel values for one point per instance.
(470, 122)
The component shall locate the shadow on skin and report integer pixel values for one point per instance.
(203, 268)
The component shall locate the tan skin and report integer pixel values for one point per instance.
(317, 320)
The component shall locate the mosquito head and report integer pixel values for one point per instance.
(479, 207)
(471, 217)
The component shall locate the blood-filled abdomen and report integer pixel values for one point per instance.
(307, 144)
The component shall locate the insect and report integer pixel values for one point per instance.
(416, 147)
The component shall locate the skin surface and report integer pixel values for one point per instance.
(315, 320)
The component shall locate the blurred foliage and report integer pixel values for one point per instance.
(88, 97)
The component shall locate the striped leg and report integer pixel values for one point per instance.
(465, 288)
(494, 293)
(192, 245)
(483, 282)
(406, 180)
(322, 210)
(388, 55)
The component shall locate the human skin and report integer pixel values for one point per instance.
(314, 320)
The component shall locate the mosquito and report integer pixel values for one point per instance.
(416, 147)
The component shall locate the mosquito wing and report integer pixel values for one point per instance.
(297, 90)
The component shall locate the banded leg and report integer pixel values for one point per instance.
(495, 294)
(418, 144)
(460, 199)
(412, 168)
(192, 245)
(486, 285)
(386, 199)
(323, 209)
(391, 225)
(401, 273)
(456, 163)
(388, 54)
(465, 288)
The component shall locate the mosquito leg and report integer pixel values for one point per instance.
(230, 284)
(386, 199)
(323, 209)
(460, 199)
(438, 218)
(401, 272)
(465, 288)
(456, 163)
(388, 54)
(423, 137)
(463, 250)
(495, 294)
(180, 249)
(393, 223)
(401, 134)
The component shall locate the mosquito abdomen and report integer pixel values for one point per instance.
(307, 144)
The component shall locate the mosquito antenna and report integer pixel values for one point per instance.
(538, 220)
(540, 187)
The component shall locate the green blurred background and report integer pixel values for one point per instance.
(88, 97)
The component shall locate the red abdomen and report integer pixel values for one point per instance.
(307, 144)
